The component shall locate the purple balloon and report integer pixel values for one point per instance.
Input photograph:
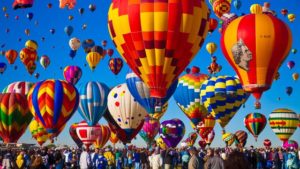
(72, 74)
(291, 64)
(172, 131)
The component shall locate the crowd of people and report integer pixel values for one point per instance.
(153, 158)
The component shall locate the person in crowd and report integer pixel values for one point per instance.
(236, 160)
(130, 159)
(94, 156)
(100, 161)
(144, 160)
(215, 162)
(110, 158)
(59, 162)
(118, 157)
(38, 163)
(156, 159)
(137, 159)
(20, 161)
(85, 160)
(8, 162)
(169, 159)
(68, 158)
(185, 159)
(194, 162)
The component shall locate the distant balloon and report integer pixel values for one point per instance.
(70, 17)
(291, 17)
(45, 61)
(49, 5)
(228, 138)
(69, 30)
(284, 12)
(267, 143)
(213, 24)
(72, 74)
(221, 7)
(52, 31)
(110, 52)
(237, 4)
(211, 47)
(74, 43)
(11, 56)
(291, 64)
(4, 9)
(81, 11)
(295, 76)
(36, 75)
(289, 90)
(92, 7)
(3, 67)
(84, 26)
(27, 32)
(256, 9)
(29, 16)
(87, 45)
(69, 3)
(172, 131)
(294, 51)
(104, 43)
(149, 130)
(93, 58)
(115, 65)
(241, 138)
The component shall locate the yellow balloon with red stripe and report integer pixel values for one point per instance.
(255, 45)
(113, 137)
(158, 39)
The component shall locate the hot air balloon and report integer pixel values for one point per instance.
(295, 76)
(28, 58)
(18, 87)
(187, 95)
(241, 138)
(52, 31)
(284, 12)
(228, 138)
(88, 134)
(92, 7)
(291, 64)
(115, 65)
(191, 139)
(126, 112)
(161, 144)
(45, 61)
(31, 45)
(69, 30)
(223, 97)
(172, 131)
(103, 137)
(283, 123)
(212, 25)
(81, 11)
(38, 132)
(227, 19)
(205, 126)
(27, 32)
(299, 120)
(113, 137)
(14, 116)
(290, 144)
(294, 51)
(49, 5)
(22, 4)
(73, 134)
(164, 54)
(72, 74)
(149, 130)
(53, 102)
(69, 3)
(244, 44)
(3, 67)
(84, 26)
(202, 144)
(11, 56)
(237, 4)
(256, 9)
(289, 90)
(70, 17)
(104, 43)
(210, 137)
(93, 58)
(277, 76)
(214, 67)
(87, 45)
(291, 17)
(93, 101)
(255, 123)
(110, 52)
(141, 93)
(221, 7)
(267, 143)
(33, 125)
(29, 15)
(74, 44)
(159, 113)
(211, 47)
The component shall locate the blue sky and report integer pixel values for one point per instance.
(57, 48)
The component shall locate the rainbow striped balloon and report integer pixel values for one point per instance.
(52, 103)
(223, 97)
(14, 116)
(283, 123)
(255, 123)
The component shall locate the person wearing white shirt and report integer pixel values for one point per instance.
(85, 160)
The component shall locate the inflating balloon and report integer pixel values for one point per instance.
(187, 95)
(222, 96)
(73, 134)
(18, 87)
(72, 74)
(283, 123)
(191, 139)
(161, 144)
(149, 130)
(14, 116)
(205, 126)
(172, 131)
(53, 102)
(202, 144)
(255, 123)
(244, 44)
(103, 137)
(165, 44)
(88, 134)
(93, 101)
(38, 132)
(113, 137)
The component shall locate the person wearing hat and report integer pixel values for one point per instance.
(194, 162)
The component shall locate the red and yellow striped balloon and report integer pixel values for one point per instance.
(103, 137)
(158, 39)
(221, 7)
(14, 116)
(113, 137)
(53, 102)
(255, 45)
